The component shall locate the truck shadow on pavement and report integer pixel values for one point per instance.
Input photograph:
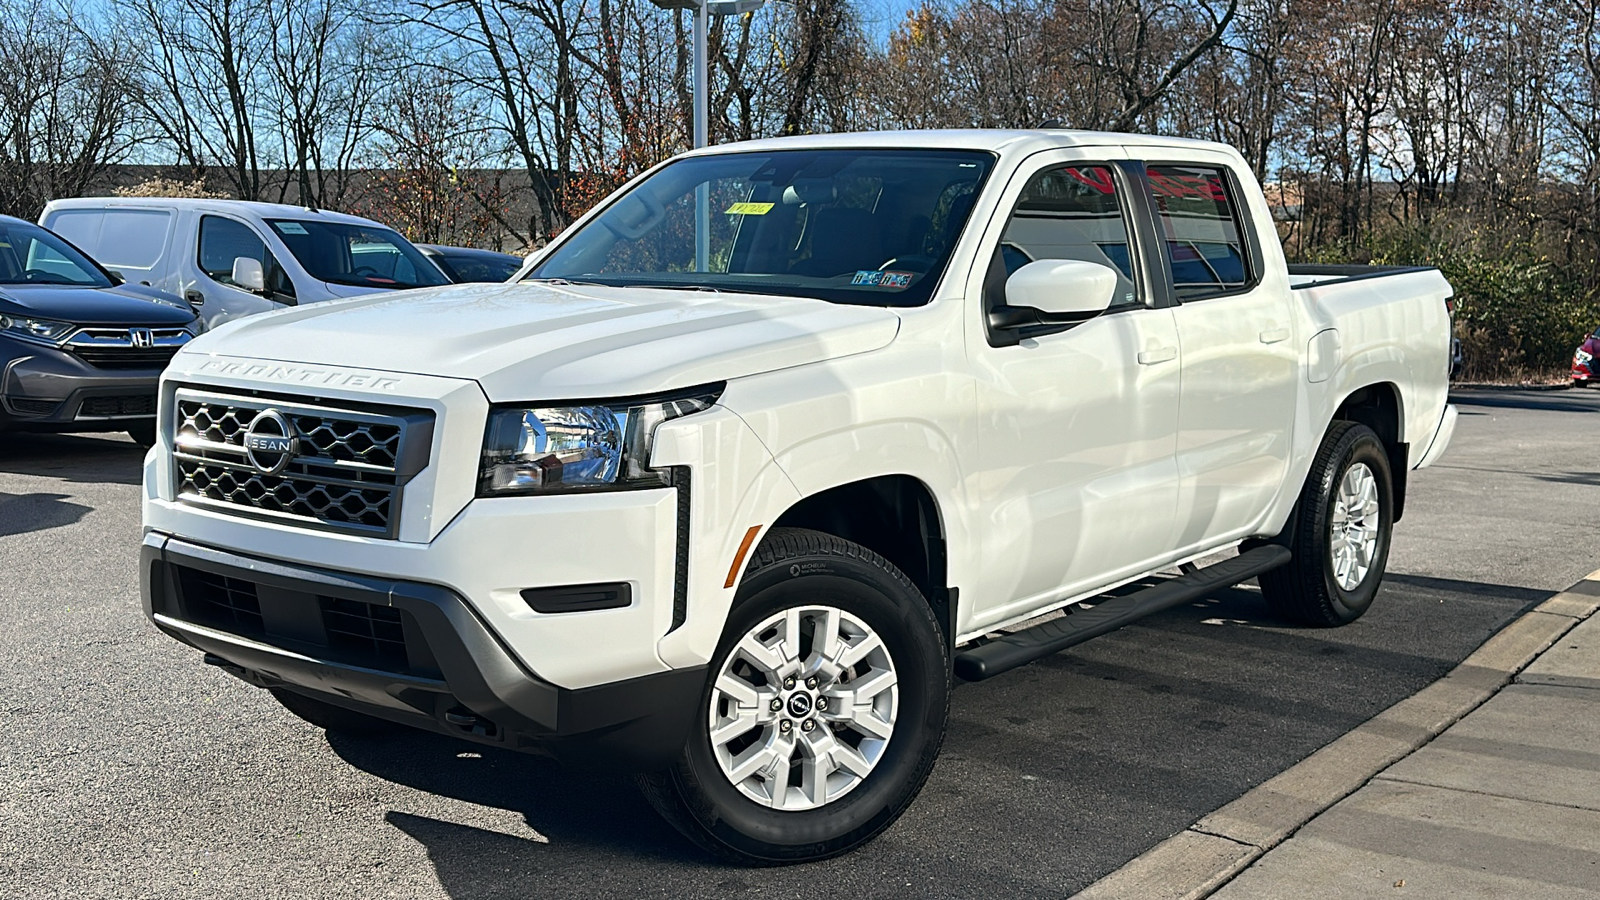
(574, 813)
(22, 513)
(1160, 722)
(86, 459)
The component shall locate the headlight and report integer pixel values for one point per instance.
(42, 331)
(1583, 356)
(552, 449)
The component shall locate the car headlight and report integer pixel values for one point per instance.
(1583, 356)
(42, 331)
(577, 447)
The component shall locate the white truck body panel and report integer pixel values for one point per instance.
(1061, 466)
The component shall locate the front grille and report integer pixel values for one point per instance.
(32, 407)
(362, 631)
(346, 471)
(126, 405)
(127, 348)
(221, 602)
(125, 358)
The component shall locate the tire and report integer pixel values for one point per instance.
(1316, 588)
(800, 580)
(143, 434)
(335, 719)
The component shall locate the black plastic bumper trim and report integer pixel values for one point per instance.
(636, 724)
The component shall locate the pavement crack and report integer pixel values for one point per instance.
(1461, 790)
(1198, 830)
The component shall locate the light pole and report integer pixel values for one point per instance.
(703, 11)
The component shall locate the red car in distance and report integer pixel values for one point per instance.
(1583, 362)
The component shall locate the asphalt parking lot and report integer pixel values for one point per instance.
(129, 769)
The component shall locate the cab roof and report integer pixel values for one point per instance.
(995, 140)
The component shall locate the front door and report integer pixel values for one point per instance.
(1078, 427)
(210, 285)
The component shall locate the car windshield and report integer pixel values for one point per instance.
(363, 255)
(869, 227)
(31, 255)
(481, 266)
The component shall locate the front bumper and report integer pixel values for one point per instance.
(431, 662)
(44, 389)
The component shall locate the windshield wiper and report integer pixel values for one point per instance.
(565, 282)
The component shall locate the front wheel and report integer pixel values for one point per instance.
(825, 708)
(1339, 534)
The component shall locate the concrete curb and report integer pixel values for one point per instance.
(1197, 861)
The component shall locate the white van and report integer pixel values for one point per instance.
(232, 258)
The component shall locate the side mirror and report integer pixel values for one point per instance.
(1063, 287)
(248, 274)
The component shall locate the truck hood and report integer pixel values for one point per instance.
(543, 341)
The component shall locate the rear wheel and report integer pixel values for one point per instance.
(333, 718)
(825, 708)
(1339, 534)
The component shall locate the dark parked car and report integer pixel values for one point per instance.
(1583, 364)
(464, 264)
(79, 350)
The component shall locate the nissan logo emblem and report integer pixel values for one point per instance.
(270, 442)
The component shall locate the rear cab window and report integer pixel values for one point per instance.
(1201, 224)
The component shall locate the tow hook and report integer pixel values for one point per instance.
(471, 722)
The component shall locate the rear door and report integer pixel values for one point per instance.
(1239, 348)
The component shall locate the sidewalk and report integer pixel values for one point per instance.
(1484, 785)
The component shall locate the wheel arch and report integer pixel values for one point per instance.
(896, 516)
(1380, 407)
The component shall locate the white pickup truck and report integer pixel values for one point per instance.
(777, 441)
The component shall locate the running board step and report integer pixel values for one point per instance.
(1023, 647)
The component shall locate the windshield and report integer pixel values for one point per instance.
(871, 227)
(479, 266)
(31, 255)
(362, 255)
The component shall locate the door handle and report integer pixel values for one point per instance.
(195, 298)
(1274, 335)
(1157, 355)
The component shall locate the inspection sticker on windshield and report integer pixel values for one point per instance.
(882, 279)
(289, 227)
(749, 209)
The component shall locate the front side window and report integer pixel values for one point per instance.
(31, 255)
(224, 240)
(1072, 212)
(361, 255)
(869, 227)
(1203, 230)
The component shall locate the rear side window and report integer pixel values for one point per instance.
(1203, 229)
(1071, 212)
(124, 238)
